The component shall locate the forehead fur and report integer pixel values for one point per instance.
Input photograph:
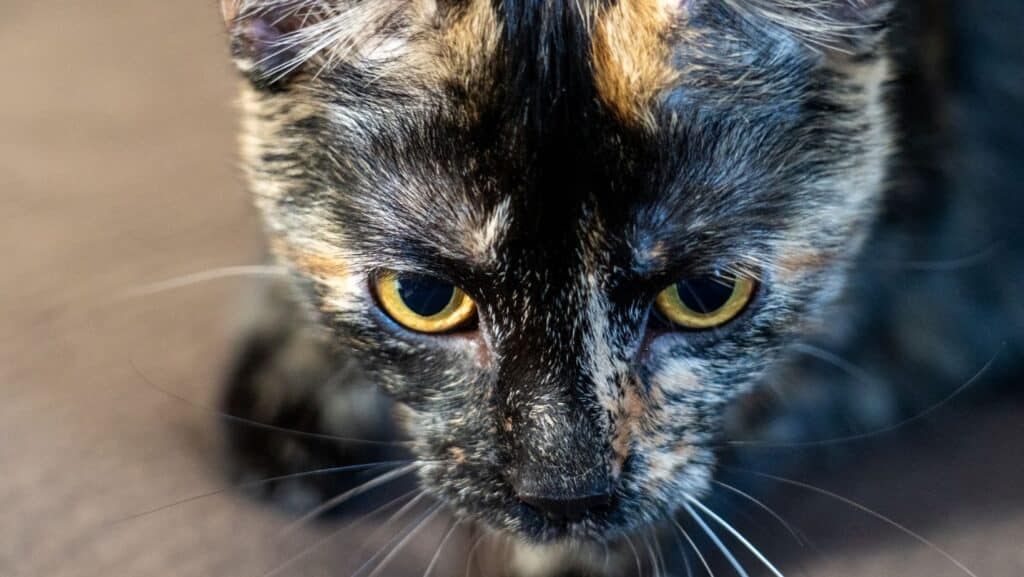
(626, 50)
(631, 55)
(420, 43)
(571, 107)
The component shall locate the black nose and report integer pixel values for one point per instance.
(567, 508)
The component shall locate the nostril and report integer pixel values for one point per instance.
(567, 509)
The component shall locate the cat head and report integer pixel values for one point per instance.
(565, 235)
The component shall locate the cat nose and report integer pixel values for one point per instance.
(567, 508)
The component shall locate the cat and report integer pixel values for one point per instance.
(565, 247)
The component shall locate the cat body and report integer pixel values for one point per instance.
(556, 166)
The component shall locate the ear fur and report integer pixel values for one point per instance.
(838, 27)
(265, 36)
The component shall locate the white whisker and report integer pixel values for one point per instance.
(203, 277)
(718, 542)
(257, 483)
(739, 536)
(950, 264)
(350, 494)
(410, 533)
(650, 555)
(258, 424)
(636, 555)
(437, 555)
(661, 555)
(836, 361)
(385, 526)
(884, 430)
(916, 536)
(686, 558)
(472, 551)
(326, 539)
(693, 545)
(792, 531)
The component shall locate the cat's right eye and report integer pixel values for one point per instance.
(708, 302)
(423, 304)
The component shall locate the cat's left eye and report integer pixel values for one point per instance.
(424, 304)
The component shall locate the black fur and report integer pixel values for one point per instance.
(563, 220)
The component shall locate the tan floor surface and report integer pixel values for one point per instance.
(116, 170)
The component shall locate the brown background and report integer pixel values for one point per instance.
(117, 170)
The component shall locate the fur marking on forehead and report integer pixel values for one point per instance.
(482, 238)
(632, 54)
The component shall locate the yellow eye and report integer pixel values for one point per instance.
(705, 302)
(423, 304)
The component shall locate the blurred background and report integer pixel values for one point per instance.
(117, 171)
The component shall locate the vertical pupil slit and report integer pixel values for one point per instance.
(425, 297)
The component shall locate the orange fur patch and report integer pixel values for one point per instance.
(470, 42)
(632, 56)
(458, 455)
(792, 265)
(321, 266)
(312, 262)
(630, 411)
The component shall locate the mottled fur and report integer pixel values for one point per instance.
(563, 162)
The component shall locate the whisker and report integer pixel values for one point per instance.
(650, 556)
(350, 494)
(836, 361)
(202, 277)
(686, 558)
(792, 531)
(437, 555)
(864, 509)
(257, 483)
(423, 522)
(693, 545)
(739, 536)
(329, 537)
(950, 264)
(507, 553)
(420, 494)
(718, 542)
(661, 555)
(636, 555)
(259, 425)
(884, 430)
(472, 552)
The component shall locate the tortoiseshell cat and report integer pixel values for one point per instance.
(571, 240)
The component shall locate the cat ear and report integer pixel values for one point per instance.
(266, 36)
(837, 27)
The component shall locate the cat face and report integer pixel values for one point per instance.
(564, 236)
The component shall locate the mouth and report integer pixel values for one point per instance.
(601, 520)
(484, 494)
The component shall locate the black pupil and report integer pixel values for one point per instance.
(705, 295)
(424, 296)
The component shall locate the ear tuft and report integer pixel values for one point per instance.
(264, 37)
